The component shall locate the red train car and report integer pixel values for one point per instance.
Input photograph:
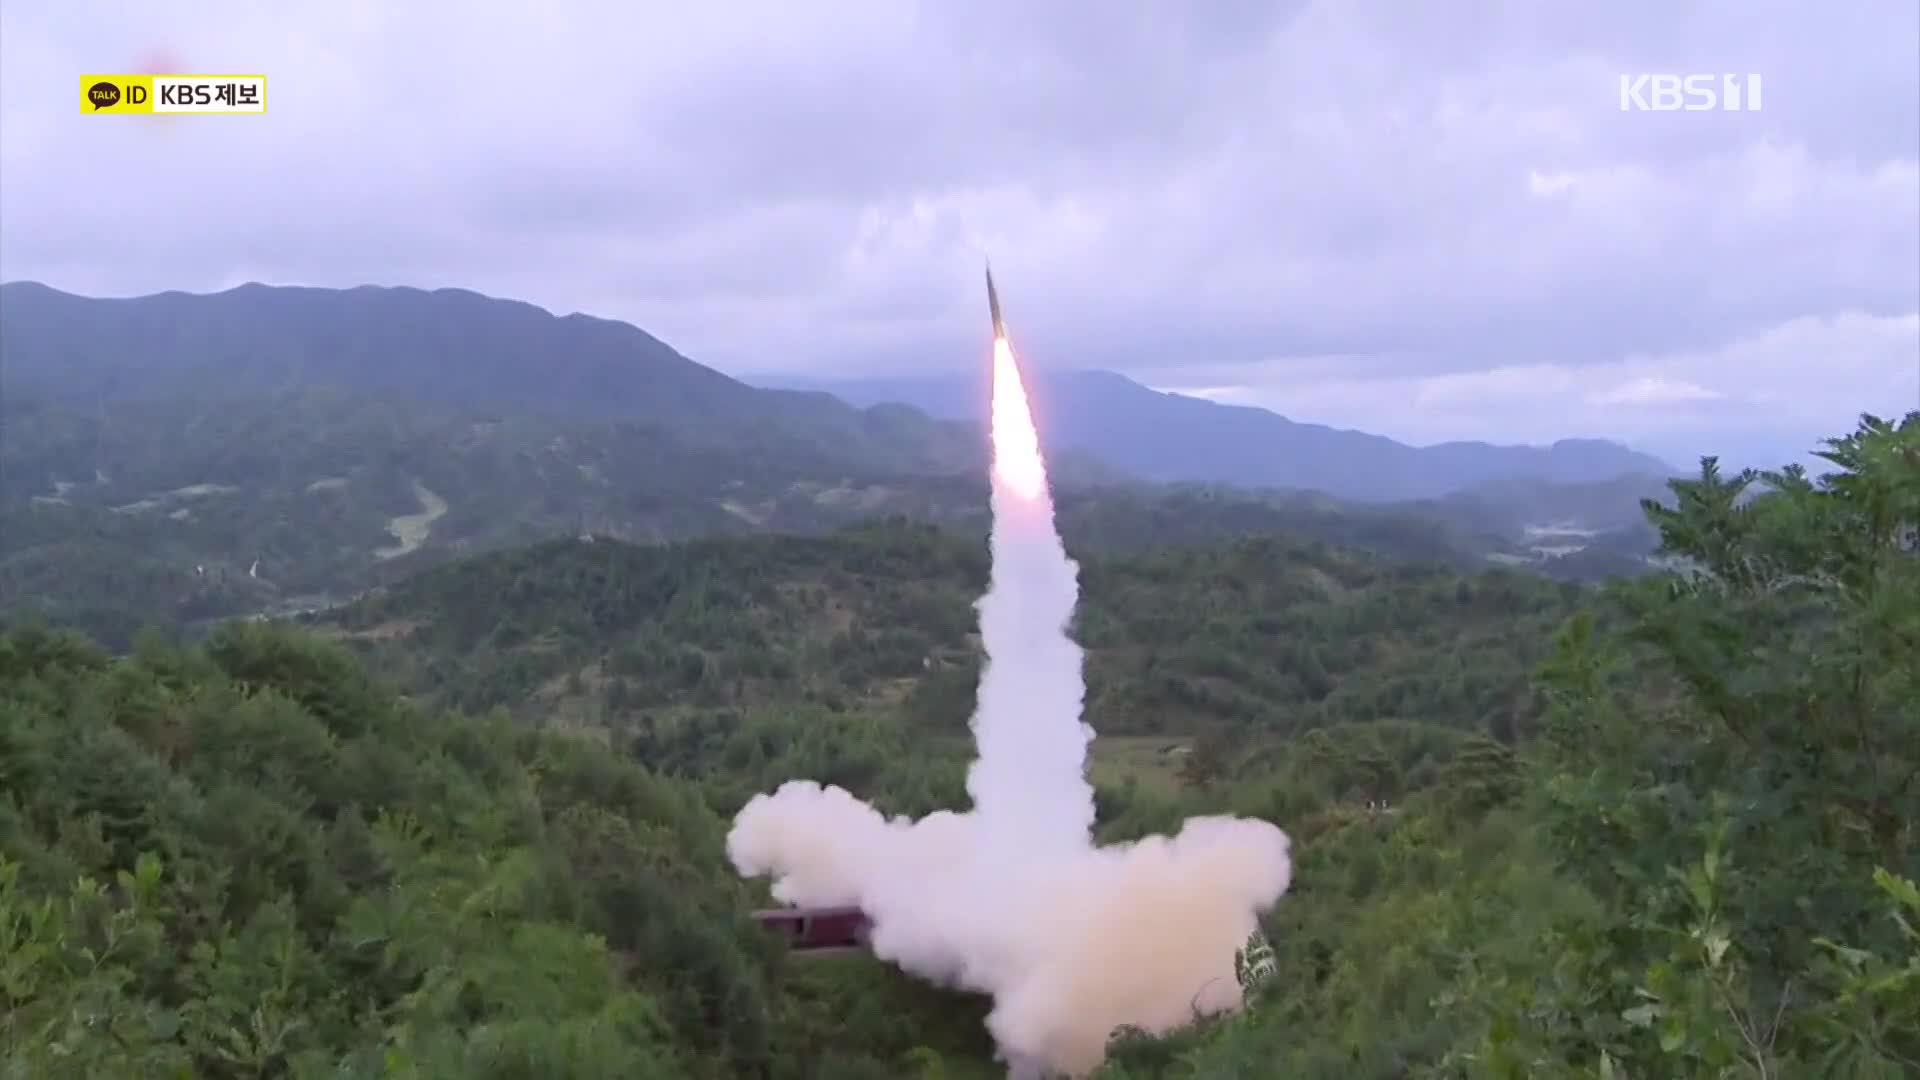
(807, 929)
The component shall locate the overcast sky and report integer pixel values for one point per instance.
(1429, 220)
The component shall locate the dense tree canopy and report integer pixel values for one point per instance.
(1703, 866)
(473, 825)
(205, 502)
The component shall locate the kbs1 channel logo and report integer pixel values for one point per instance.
(175, 94)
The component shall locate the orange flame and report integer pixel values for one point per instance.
(1016, 445)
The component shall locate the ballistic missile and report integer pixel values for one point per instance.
(993, 305)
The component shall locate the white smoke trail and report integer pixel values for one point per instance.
(1012, 899)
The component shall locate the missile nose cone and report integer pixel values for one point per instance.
(993, 305)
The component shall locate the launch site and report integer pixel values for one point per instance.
(909, 541)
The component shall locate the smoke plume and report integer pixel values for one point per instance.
(1012, 898)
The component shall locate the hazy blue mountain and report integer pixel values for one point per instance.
(1171, 437)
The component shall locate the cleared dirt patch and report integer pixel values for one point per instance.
(745, 513)
(412, 530)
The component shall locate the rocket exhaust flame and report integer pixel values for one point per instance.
(1011, 898)
(1016, 443)
(1017, 462)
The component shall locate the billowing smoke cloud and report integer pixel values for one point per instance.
(1011, 898)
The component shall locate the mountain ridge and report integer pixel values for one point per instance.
(451, 347)
(608, 369)
(180, 457)
(1165, 436)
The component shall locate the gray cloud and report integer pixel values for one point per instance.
(1320, 204)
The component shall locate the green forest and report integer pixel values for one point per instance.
(203, 500)
(472, 824)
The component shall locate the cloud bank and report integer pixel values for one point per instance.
(1318, 205)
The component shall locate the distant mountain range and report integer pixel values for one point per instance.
(1170, 437)
(462, 351)
(450, 348)
(176, 458)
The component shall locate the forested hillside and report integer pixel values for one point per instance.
(169, 512)
(247, 860)
(448, 349)
(1663, 828)
(173, 460)
(176, 515)
(1704, 865)
(1259, 636)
